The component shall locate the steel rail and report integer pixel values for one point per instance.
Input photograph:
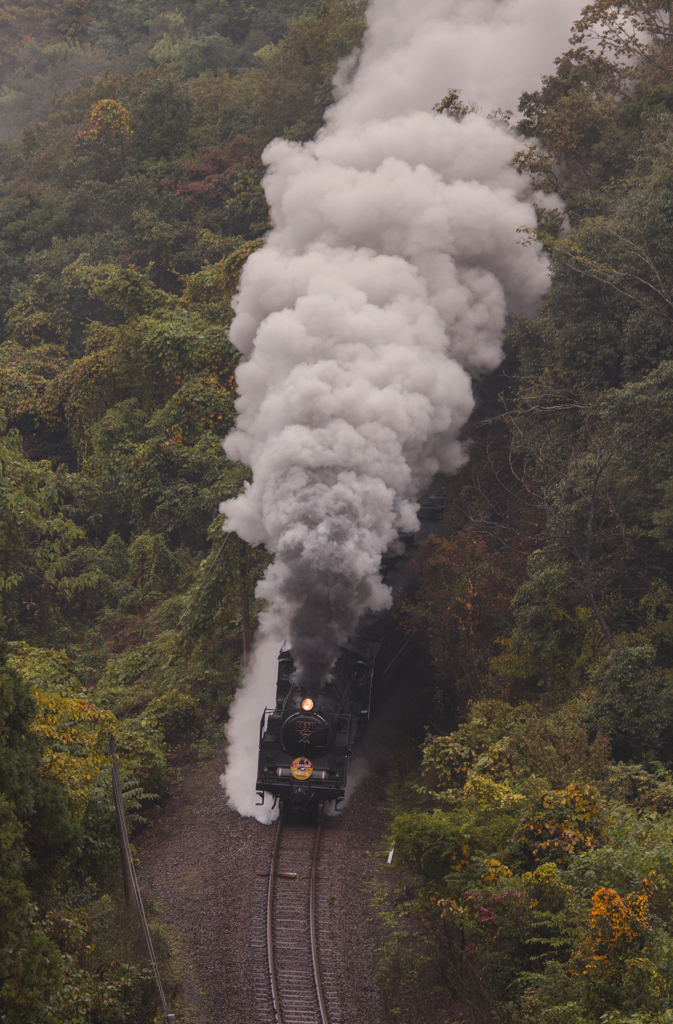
(314, 937)
(275, 992)
(269, 924)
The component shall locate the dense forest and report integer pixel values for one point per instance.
(533, 871)
(128, 206)
(538, 843)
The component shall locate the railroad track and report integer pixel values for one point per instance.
(301, 984)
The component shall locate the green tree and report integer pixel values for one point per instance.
(579, 460)
(36, 539)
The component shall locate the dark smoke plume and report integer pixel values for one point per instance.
(383, 286)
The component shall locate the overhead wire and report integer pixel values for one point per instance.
(124, 839)
(119, 802)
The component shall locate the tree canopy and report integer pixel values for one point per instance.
(537, 845)
(130, 198)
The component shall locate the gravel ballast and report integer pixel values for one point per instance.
(199, 863)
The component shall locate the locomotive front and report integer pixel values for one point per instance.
(306, 739)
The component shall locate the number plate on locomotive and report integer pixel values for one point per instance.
(305, 729)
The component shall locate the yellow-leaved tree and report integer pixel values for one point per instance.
(74, 730)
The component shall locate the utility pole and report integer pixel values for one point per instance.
(131, 888)
(129, 891)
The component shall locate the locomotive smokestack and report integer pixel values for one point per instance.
(384, 285)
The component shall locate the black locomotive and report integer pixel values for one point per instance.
(306, 740)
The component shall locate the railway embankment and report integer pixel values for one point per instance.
(201, 864)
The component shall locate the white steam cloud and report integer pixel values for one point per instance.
(258, 691)
(492, 50)
(384, 284)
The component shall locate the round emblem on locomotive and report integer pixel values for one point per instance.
(301, 768)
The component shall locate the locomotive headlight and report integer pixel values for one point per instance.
(307, 704)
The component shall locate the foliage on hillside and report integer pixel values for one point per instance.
(534, 849)
(128, 206)
(51, 44)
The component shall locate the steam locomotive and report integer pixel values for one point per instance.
(306, 740)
